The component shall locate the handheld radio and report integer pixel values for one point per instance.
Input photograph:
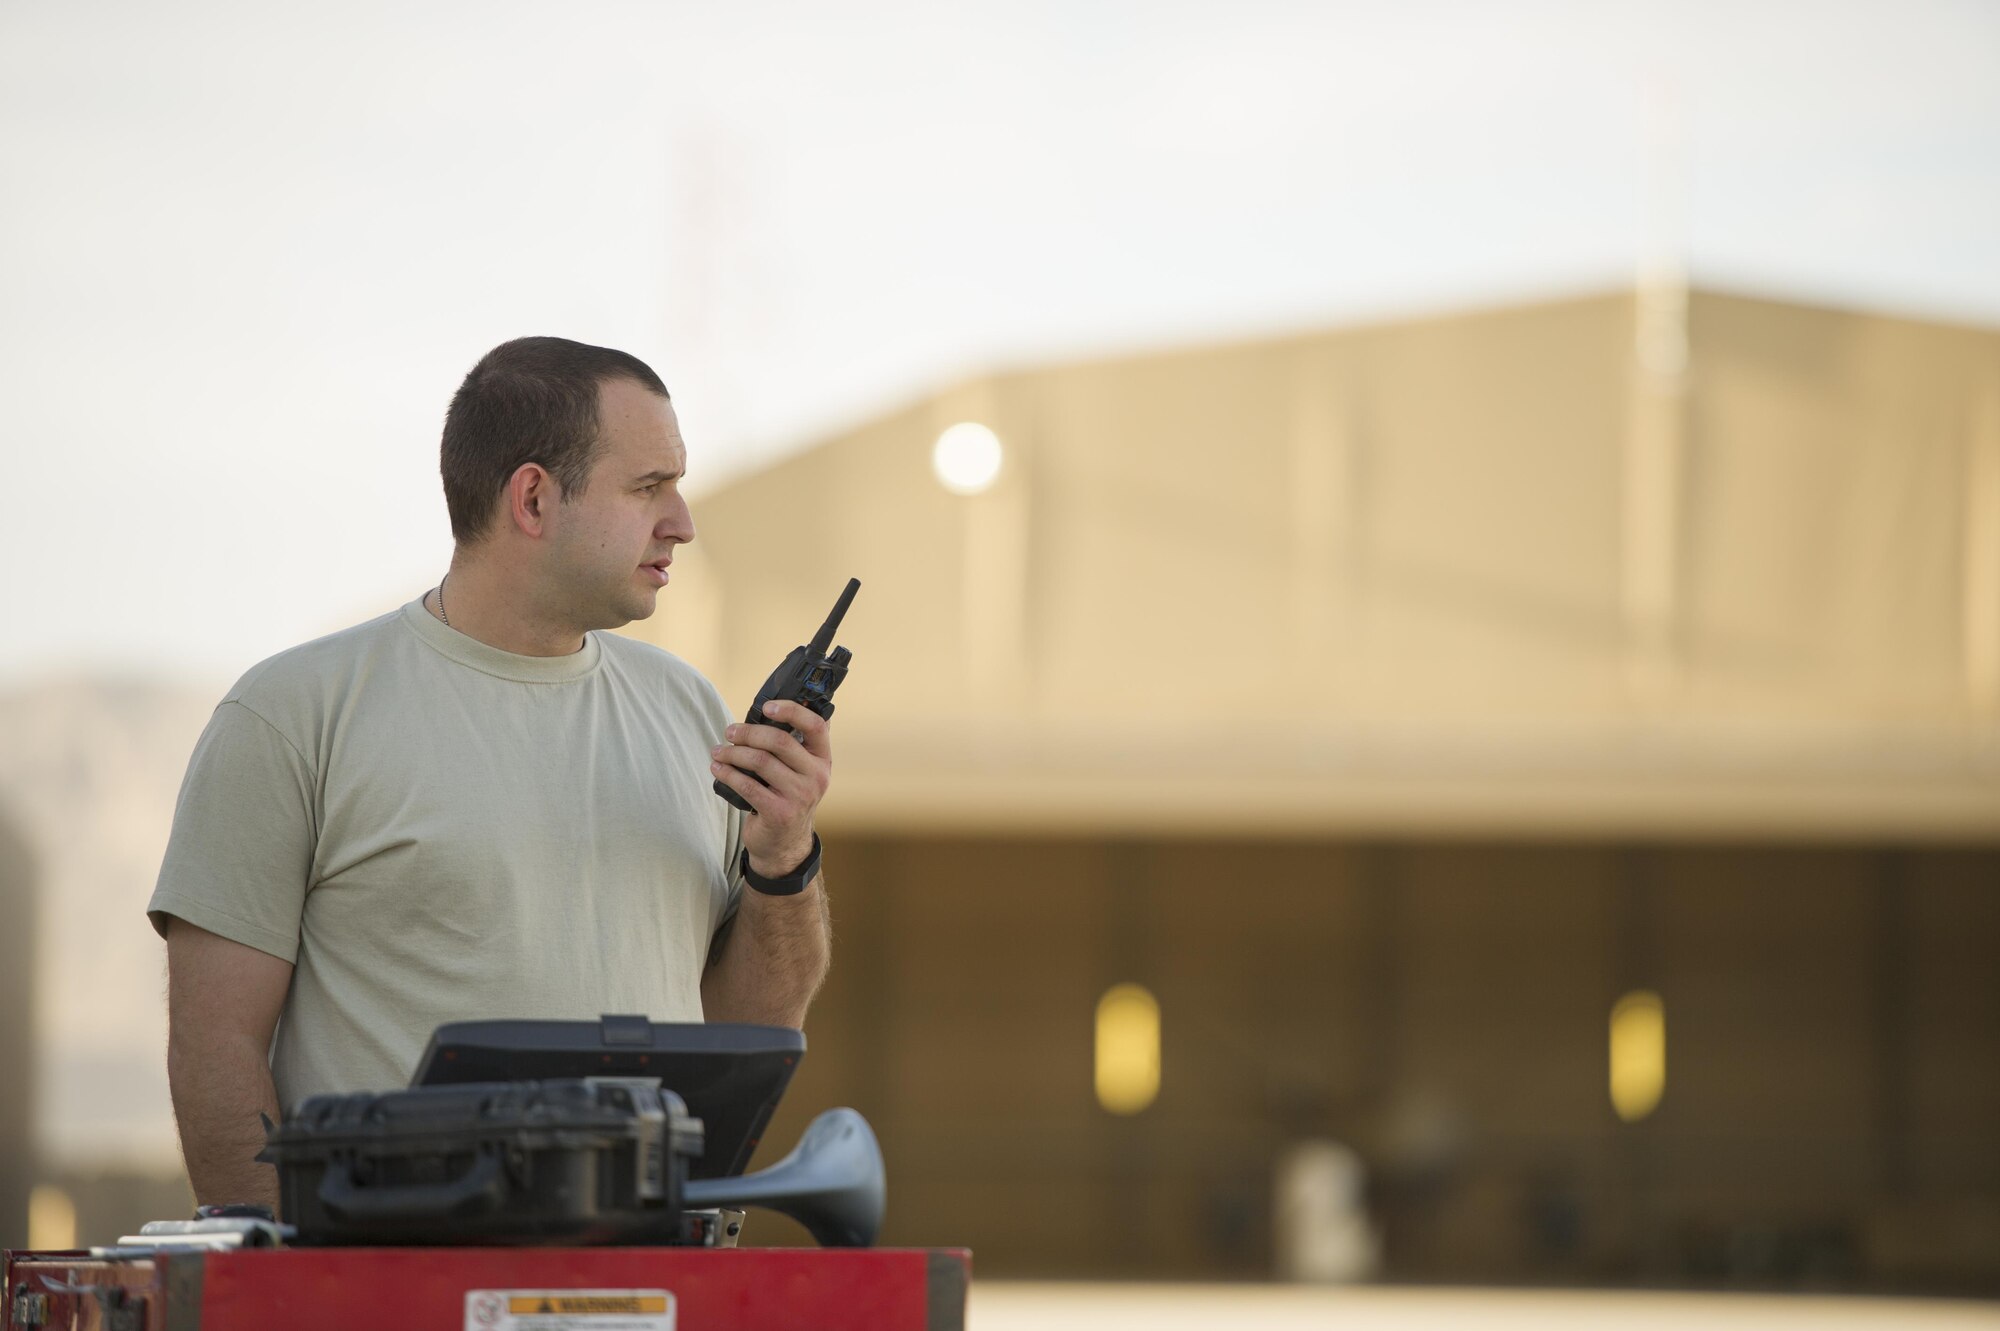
(808, 677)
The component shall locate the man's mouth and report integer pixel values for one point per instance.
(657, 571)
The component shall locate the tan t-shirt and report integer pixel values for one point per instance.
(435, 830)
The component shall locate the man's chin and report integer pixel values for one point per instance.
(617, 612)
(640, 606)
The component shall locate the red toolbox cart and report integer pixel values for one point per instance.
(548, 1135)
(489, 1289)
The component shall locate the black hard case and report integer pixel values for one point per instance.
(582, 1160)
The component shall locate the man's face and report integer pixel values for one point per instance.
(609, 546)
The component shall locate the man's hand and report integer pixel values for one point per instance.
(796, 773)
(776, 954)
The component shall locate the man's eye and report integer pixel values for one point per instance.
(648, 489)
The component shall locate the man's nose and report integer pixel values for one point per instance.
(678, 524)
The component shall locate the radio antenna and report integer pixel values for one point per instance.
(824, 638)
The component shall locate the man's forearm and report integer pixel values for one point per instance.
(220, 1087)
(774, 959)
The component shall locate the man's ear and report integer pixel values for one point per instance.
(530, 492)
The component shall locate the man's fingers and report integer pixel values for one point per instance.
(798, 753)
(765, 758)
(775, 765)
(771, 739)
(812, 727)
(755, 793)
(763, 762)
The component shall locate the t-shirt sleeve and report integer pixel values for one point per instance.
(239, 859)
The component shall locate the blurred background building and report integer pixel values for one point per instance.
(88, 772)
(1508, 794)
(17, 1027)
(1551, 753)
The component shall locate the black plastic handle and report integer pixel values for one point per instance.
(474, 1192)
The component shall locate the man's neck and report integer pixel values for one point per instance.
(500, 610)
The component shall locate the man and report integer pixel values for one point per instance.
(479, 806)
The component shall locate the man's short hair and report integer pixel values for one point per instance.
(530, 400)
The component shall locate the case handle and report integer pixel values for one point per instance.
(474, 1192)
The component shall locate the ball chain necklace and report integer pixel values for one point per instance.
(440, 595)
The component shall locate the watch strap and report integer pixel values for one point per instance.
(789, 885)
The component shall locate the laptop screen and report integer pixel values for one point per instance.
(731, 1076)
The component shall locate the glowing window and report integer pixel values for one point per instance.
(51, 1219)
(1128, 1049)
(1638, 1054)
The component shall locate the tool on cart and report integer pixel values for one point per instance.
(619, 1131)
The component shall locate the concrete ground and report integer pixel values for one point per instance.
(1033, 1306)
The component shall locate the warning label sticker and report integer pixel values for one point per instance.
(569, 1310)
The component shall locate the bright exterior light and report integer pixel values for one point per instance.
(966, 458)
(1638, 1054)
(1128, 1049)
(51, 1219)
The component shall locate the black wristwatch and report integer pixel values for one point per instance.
(791, 884)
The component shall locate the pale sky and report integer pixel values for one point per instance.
(247, 251)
